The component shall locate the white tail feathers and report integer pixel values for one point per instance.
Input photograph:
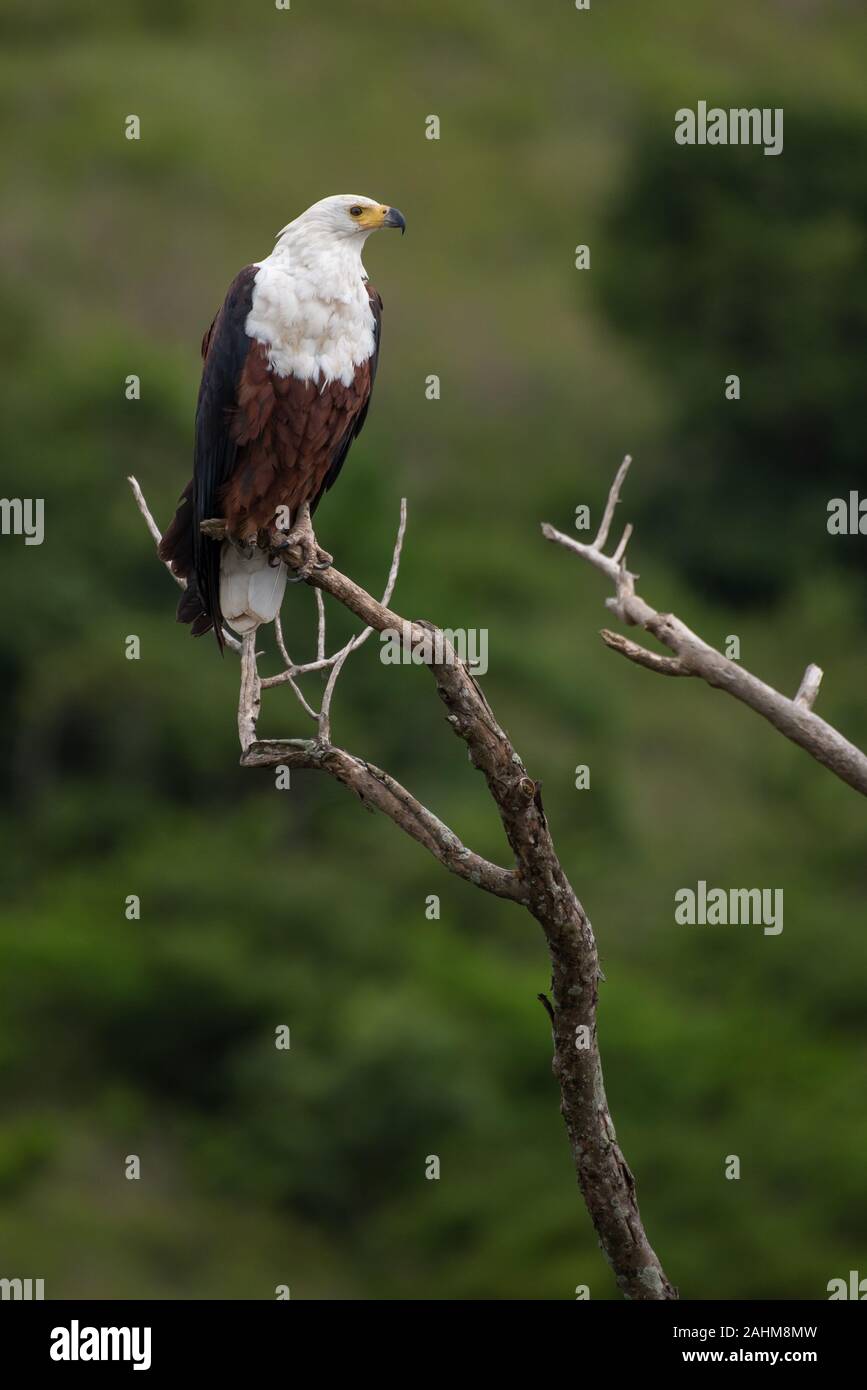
(251, 590)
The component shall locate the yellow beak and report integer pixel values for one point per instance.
(382, 216)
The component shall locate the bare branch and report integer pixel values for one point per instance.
(325, 711)
(250, 696)
(151, 524)
(603, 1174)
(610, 504)
(624, 541)
(287, 677)
(338, 661)
(809, 687)
(361, 637)
(383, 793)
(695, 657)
(606, 563)
(281, 643)
(665, 665)
(320, 627)
(537, 882)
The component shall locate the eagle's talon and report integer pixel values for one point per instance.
(308, 547)
(303, 538)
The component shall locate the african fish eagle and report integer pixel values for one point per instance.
(289, 364)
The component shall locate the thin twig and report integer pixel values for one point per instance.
(611, 503)
(354, 643)
(151, 525)
(334, 663)
(228, 637)
(809, 687)
(281, 643)
(320, 626)
(325, 711)
(665, 665)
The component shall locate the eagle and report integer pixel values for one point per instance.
(288, 368)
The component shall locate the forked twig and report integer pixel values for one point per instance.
(694, 657)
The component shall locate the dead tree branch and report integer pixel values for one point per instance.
(694, 657)
(536, 881)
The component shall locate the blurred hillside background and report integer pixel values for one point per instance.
(259, 907)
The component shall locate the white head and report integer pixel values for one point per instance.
(344, 218)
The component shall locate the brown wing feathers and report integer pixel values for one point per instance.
(262, 441)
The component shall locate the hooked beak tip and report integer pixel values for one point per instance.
(395, 218)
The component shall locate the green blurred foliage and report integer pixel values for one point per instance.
(755, 267)
(261, 908)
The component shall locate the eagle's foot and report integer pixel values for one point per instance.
(313, 557)
(302, 538)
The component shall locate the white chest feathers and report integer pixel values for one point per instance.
(312, 315)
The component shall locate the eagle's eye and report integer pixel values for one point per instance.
(355, 211)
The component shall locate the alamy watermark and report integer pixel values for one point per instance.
(77, 1343)
(435, 647)
(23, 516)
(27, 1290)
(739, 125)
(855, 1287)
(721, 907)
(847, 516)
